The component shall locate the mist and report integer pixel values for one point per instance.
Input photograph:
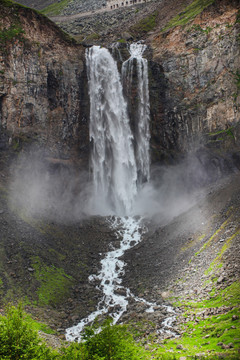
(56, 190)
(48, 188)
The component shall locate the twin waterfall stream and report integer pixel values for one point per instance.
(120, 164)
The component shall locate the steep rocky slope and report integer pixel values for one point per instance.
(36, 4)
(200, 66)
(194, 80)
(105, 27)
(193, 70)
(42, 83)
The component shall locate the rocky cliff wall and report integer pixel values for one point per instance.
(193, 77)
(42, 84)
(195, 83)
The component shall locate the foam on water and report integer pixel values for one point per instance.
(110, 276)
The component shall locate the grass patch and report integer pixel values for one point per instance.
(188, 14)
(230, 296)
(122, 41)
(54, 283)
(207, 244)
(55, 8)
(93, 36)
(14, 32)
(216, 261)
(145, 25)
(38, 326)
(209, 334)
(207, 30)
(13, 10)
(228, 131)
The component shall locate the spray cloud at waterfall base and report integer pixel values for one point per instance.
(120, 160)
(121, 182)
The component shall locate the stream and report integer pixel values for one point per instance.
(109, 280)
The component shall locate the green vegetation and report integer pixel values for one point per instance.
(207, 30)
(227, 132)
(18, 338)
(14, 32)
(209, 329)
(54, 283)
(114, 342)
(217, 332)
(122, 41)
(93, 36)
(216, 262)
(193, 242)
(145, 25)
(36, 325)
(13, 10)
(207, 244)
(189, 13)
(55, 8)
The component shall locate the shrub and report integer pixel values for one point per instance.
(113, 342)
(12, 33)
(18, 340)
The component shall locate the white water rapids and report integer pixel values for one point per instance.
(112, 268)
(120, 163)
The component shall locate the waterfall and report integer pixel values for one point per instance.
(142, 133)
(119, 164)
(113, 163)
(120, 159)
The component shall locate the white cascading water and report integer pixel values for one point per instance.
(142, 133)
(117, 168)
(113, 162)
(113, 302)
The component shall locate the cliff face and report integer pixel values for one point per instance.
(42, 83)
(195, 83)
